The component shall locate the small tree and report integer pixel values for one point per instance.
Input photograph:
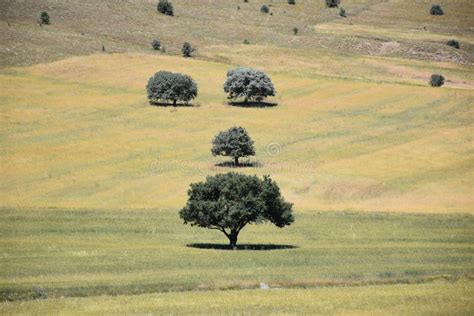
(165, 7)
(295, 30)
(44, 18)
(187, 49)
(235, 143)
(264, 9)
(436, 80)
(248, 83)
(168, 86)
(228, 202)
(246, 42)
(436, 10)
(332, 3)
(453, 43)
(342, 12)
(156, 44)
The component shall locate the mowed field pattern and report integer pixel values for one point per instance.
(80, 133)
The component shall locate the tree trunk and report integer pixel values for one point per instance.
(236, 161)
(174, 102)
(246, 100)
(233, 240)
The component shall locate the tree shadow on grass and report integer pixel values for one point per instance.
(258, 247)
(178, 105)
(231, 164)
(252, 104)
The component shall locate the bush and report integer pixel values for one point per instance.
(332, 3)
(156, 44)
(292, 2)
(248, 83)
(436, 10)
(436, 80)
(165, 7)
(264, 9)
(235, 143)
(246, 42)
(44, 18)
(295, 30)
(168, 86)
(453, 43)
(342, 12)
(187, 49)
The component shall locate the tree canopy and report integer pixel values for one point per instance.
(248, 83)
(168, 86)
(228, 202)
(235, 143)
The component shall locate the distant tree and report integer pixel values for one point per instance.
(453, 43)
(187, 49)
(436, 80)
(156, 44)
(246, 41)
(248, 83)
(228, 202)
(342, 12)
(264, 9)
(44, 18)
(168, 86)
(332, 3)
(293, 2)
(165, 7)
(295, 30)
(235, 143)
(436, 10)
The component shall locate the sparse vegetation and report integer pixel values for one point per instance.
(156, 44)
(168, 86)
(248, 83)
(453, 43)
(229, 202)
(436, 80)
(165, 7)
(332, 3)
(44, 18)
(235, 143)
(187, 50)
(436, 10)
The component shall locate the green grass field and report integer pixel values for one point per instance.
(378, 164)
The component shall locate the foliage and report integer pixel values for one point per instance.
(228, 202)
(264, 9)
(187, 49)
(332, 3)
(436, 10)
(165, 7)
(44, 18)
(436, 80)
(235, 143)
(248, 83)
(156, 44)
(453, 43)
(170, 86)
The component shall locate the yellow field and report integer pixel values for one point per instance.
(359, 133)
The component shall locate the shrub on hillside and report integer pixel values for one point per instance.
(235, 143)
(246, 42)
(264, 9)
(295, 30)
(248, 83)
(168, 86)
(44, 18)
(453, 43)
(165, 7)
(156, 44)
(342, 12)
(187, 49)
(332, 3)
(436, 80)
(436, 10)
(292, 2)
